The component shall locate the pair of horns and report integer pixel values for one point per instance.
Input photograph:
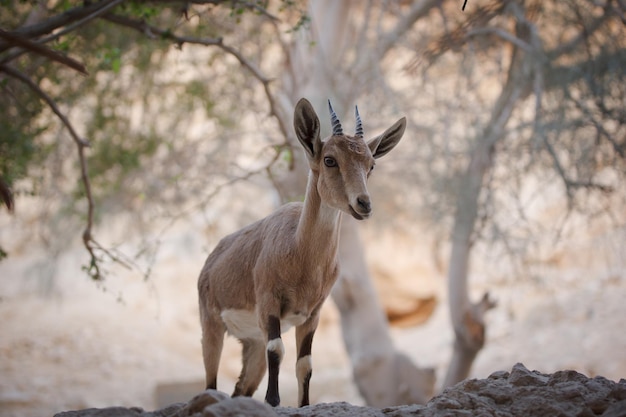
(337, 130)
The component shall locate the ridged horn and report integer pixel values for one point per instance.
(337, 130)
(359, 124)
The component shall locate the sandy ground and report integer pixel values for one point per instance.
(68, 343)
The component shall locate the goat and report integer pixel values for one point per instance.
(276, 273)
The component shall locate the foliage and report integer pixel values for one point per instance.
(130, 118)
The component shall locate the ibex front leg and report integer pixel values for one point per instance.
(275, 353)
(304, 367)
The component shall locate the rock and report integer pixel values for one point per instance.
(202, 401)
(237, 407)
(338, 409)
(520, 392)
(530, 393)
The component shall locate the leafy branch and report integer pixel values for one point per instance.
(33, 39)
(155, 32)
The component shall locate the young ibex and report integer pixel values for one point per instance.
(277, 272)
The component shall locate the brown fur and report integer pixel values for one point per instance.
(285, 264)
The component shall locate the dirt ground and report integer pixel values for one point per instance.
(68, 343)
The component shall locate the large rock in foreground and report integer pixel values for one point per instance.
(517, 393)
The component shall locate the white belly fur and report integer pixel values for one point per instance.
(243, 324)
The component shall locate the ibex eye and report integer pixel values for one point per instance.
(330, 162)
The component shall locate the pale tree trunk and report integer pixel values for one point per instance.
(467, 317)
(383, 375)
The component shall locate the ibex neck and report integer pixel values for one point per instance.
(319, 223)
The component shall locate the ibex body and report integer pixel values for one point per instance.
(276, 273)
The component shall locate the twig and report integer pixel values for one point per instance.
(47, 26)
(266, 168)
(42, 50)
(90, 244)
(503, 34)
(257, 8)
(571, 185)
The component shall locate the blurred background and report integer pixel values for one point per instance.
(134, 135)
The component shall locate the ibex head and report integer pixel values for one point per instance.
(341, 163)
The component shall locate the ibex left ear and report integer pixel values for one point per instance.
(382, 144)
(307, 127)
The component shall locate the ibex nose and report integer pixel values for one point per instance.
(363, 201)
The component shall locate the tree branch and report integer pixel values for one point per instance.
(90, 244)
(418, 10)
(82, 19)
(40, 49)
(501, 33)
(455, 39)
(584, 34)
(571, 185)
(81, 13)
(151, 31)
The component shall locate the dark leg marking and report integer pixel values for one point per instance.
(307, 343)
(273, 327)
(305, 350)
(305, 394)
(212, 384)
(272, 397)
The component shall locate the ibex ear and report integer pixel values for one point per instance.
(382, 144)
(307, 127)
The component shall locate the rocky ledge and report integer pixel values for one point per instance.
(517, 393)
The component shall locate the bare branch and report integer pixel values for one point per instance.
(599, 127)
(76, 14)
(45, 97)
(82, 20)
(584, 34)
(458, 37)
(418, 10)
(42, 50)
(503, 34)
(254, 6)
(90, 244)
(572, 185)
(69, 28)
(217, 190)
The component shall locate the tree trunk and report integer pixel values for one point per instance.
(383, 375)
(467, 317)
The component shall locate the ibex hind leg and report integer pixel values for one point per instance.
(213, 330)
(253, 370)
(304, 342)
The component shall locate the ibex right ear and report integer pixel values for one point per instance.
(307, 127)
(382, 144)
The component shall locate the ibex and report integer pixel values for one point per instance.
(277, 272)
